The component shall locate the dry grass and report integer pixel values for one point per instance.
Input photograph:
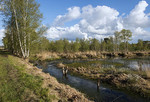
(48, 55)
(147, 71)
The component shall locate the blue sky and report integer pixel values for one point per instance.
(52, 8)
(94, 18)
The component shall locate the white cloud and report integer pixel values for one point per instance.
(100, 15)
(73, 13)
(140, 31)
(137, 17)
(137, 21)
(1, 35)
(101, 21)
(98, 20)
(67, 32)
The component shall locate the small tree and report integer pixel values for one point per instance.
(95, 45)
(76, 45)
(59, 46)
(140, 45)
(125, 37)
(84, 45)
(67, 45)
(117, 40)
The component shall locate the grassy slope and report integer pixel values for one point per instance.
(20, 81)
(17, 85)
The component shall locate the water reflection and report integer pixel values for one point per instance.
(96, 91)
(98, 85)
(140, 64)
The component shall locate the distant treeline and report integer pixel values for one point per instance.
(24, 33)
(119, 42)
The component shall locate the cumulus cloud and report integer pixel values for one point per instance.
(1, 35)
(100, 21)
(73, 13)
(68, 32)
(137, 17)
(100, 15)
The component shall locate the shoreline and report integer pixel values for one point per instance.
(61, 91)
(131, 82)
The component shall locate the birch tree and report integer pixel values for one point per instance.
(117, 40)
(21, 21)
(126, 37)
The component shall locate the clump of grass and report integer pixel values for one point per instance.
(44, 56)
(147, 73)
(48, 55)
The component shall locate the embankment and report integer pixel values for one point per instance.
(61, 91)
(21, 81)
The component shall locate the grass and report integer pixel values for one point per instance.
(16, 85)
(35, 58)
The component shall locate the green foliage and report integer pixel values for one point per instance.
(117, 40)
(59, 46)
(125, 36)
(140, 45)
(22, 25)
(67, 45)
(76, 45)
(41, 45)
(95, 45)
(84, 45)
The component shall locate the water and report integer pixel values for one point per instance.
(138, 63)
(103, 94)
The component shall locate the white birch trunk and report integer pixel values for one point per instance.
(18, 31)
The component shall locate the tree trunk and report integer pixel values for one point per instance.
(18, 32)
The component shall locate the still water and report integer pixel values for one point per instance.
(103, 93)
(138, 63)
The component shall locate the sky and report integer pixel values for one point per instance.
(73, 19)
